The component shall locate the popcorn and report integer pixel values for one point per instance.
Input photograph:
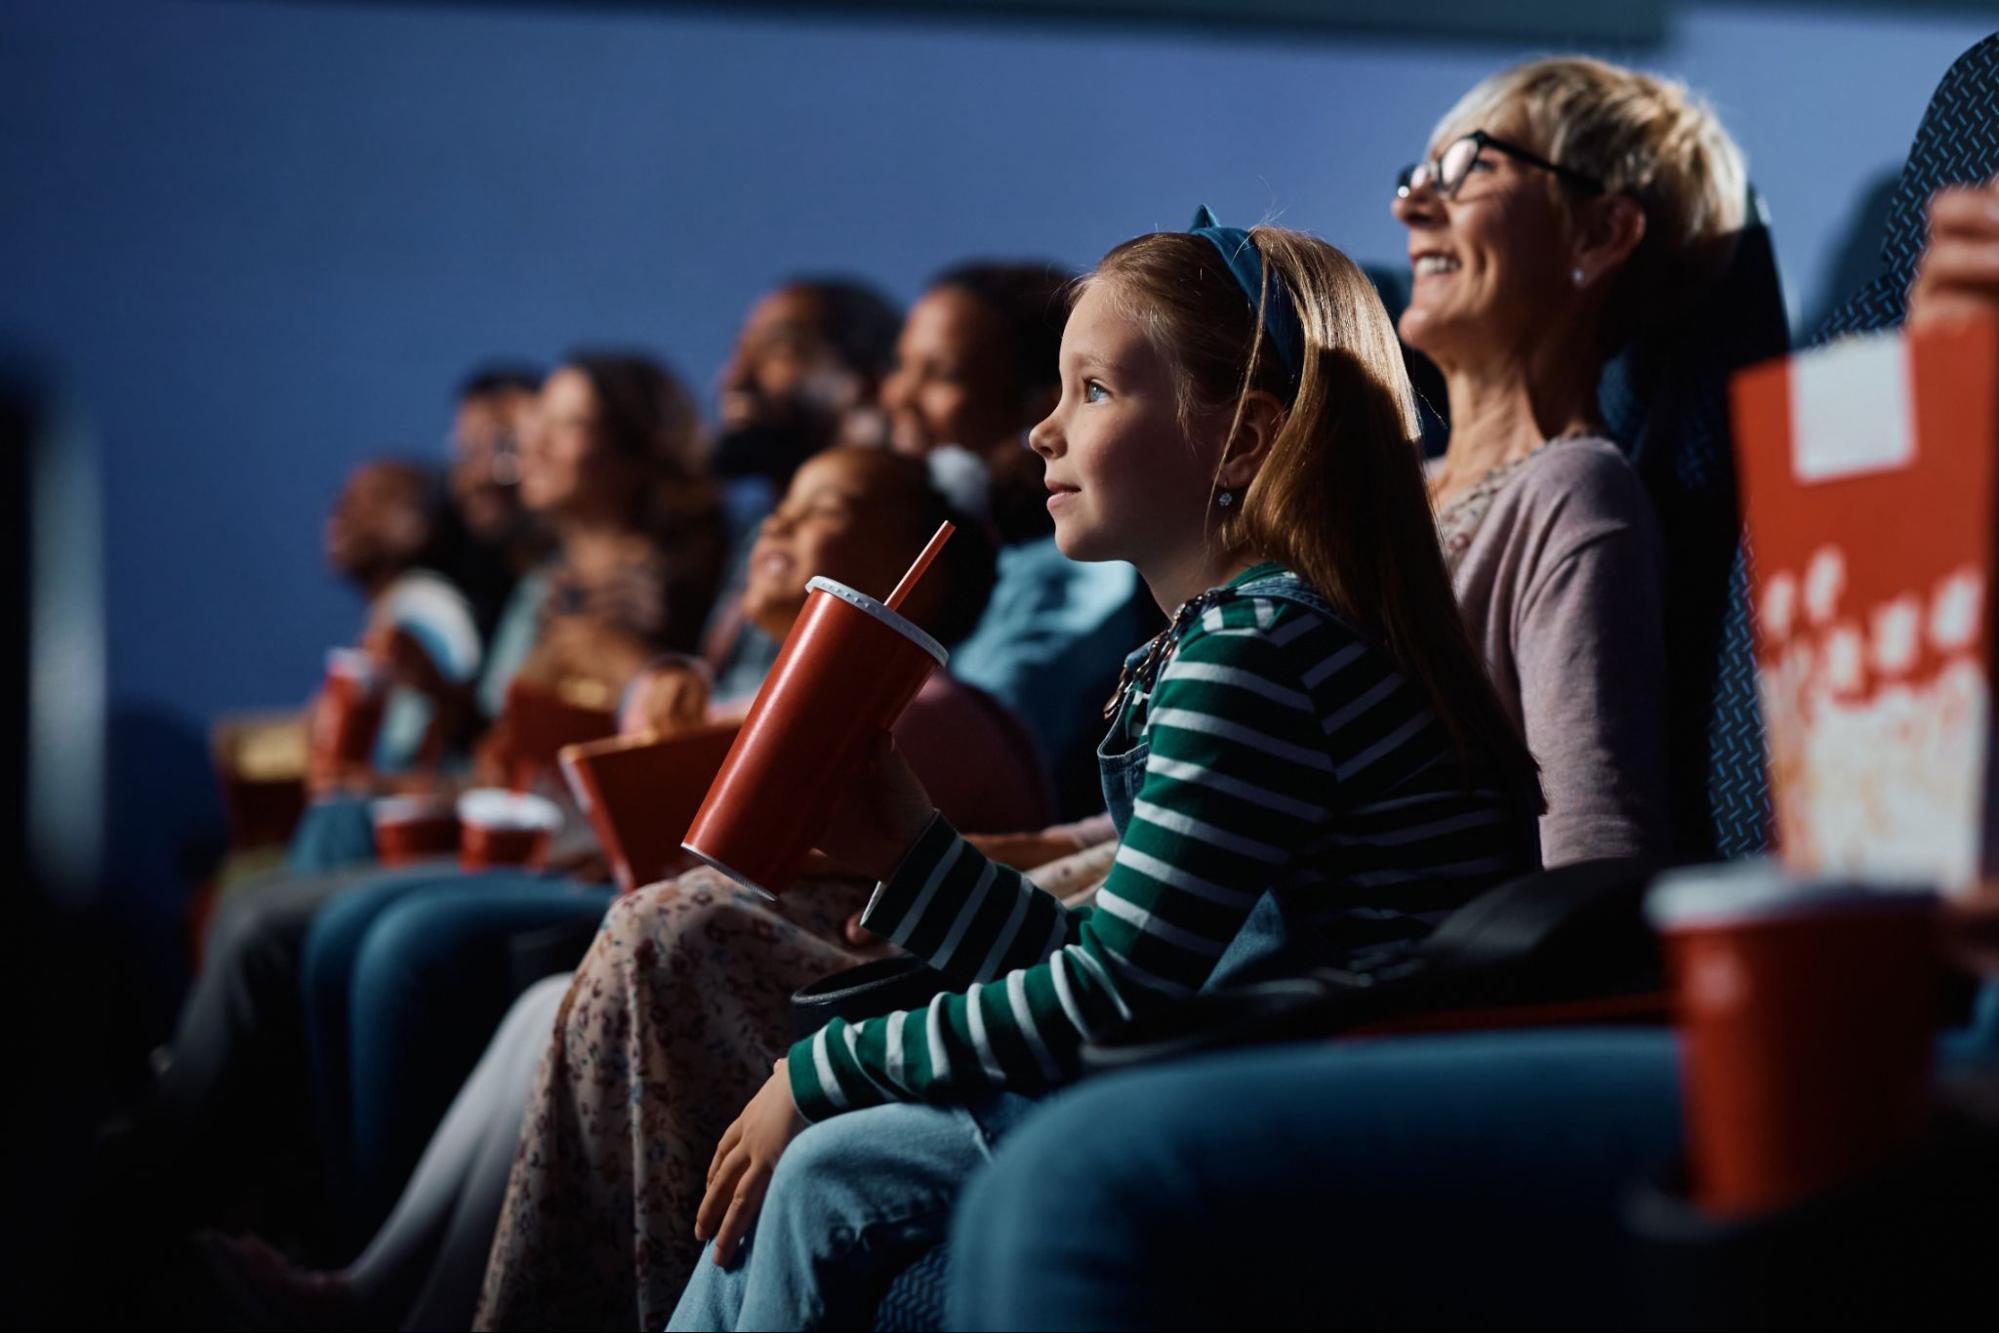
(1954, 611)
(1873, 556)
(1897, 635)
(1825, 580)
(1780, 605)
(1846, 666)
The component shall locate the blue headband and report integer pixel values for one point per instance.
(1245, 265)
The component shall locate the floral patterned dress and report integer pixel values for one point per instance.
(671, 1025)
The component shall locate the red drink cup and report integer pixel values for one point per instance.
(504, 828)
(847, 670)
(350, 710)
(414, 828)
(1807, 1009)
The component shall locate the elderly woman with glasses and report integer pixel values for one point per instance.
(1565, 205)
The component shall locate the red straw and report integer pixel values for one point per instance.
(909, 580)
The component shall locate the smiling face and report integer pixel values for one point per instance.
(378, 524)
(565, 467)
(485, 436)
(1490, 266)
(786, 371)
(830, 524)
(1125, 480)
(954, 380)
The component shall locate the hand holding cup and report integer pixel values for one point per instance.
(880, 815)
(402, 658)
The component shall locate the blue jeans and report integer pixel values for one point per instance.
(405, 977)
(1439, 1181)
(854, 1201)
(334, 831)
(1469, 1179)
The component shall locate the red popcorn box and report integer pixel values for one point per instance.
(640, 793)
(545, 718)
(1871, 490)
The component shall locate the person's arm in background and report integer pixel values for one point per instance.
(1958, 275)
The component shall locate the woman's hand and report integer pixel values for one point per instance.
(403, 657)
(494, 756)
(739, 1175)
(1958, 275)
(880, 816)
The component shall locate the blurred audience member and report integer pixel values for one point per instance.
(495, 404)
(810, 355)
(612, 462)
(391, 534)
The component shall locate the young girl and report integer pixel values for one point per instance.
(1306, 768)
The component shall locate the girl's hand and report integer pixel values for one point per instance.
(739, 1175)
(880, 816)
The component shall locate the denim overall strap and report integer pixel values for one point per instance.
(1122, 772)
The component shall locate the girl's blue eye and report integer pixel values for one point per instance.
(1094, 392)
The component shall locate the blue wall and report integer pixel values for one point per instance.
(263, 239)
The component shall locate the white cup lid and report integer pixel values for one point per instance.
(496, 807)
(1758, 888)
(901, 624)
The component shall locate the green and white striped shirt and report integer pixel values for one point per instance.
(1287, 755)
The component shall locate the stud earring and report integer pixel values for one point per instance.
(1225, 499)
(1577, 274)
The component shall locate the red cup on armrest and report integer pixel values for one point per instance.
(505, 828)
(350, 710)
(846, 671)
(414, 828)
(1807, 1010)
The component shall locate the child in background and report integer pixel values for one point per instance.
(1307, 768)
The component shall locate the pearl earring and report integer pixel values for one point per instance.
(1577, 274)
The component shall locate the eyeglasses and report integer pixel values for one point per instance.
(1447, 171)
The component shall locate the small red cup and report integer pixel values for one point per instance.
(846, 671)
(505, 828)
(350, 710)
(414, 828)
(1807, 1010)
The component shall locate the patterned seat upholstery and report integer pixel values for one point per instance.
(1957, 144)
(1665, 400)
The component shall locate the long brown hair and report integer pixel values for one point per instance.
(1340, 498)
(646, 416)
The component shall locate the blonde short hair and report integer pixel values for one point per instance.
(1643, 136)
